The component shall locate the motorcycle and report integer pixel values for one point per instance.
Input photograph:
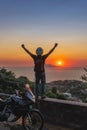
(21, 106)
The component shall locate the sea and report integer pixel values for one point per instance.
(52, 73)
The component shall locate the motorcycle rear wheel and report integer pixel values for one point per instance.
(33, 121)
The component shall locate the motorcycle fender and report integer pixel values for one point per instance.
(34, 109)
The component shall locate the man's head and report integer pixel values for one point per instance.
(39, 51)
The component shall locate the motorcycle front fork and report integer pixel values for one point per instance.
(29, 118)
(4, 110)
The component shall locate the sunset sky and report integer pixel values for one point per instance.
(43, 23)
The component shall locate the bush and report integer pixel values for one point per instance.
(61, 96)
(51, 95)
(8, 81)
(54, 90)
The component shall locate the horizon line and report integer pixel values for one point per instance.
(46, 65)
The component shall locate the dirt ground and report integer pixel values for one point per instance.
(17, 126)
(54, 127)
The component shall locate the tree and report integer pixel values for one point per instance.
(8, 81)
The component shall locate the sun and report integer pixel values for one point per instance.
(59, 63)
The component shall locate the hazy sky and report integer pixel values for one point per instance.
(42, 23)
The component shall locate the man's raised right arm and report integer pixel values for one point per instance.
(23, 46)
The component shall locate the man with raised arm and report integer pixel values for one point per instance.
(39, 62)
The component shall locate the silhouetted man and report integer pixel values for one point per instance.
(39, 62)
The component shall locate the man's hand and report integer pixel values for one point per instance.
(22, 46)
(56, 44)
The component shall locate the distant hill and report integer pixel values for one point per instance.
(77, 89)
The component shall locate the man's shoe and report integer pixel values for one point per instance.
(43, 97)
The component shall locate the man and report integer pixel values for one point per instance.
(39, 61)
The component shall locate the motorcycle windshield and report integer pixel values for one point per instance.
(30, 95)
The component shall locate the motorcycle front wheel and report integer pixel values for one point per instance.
(33, 121)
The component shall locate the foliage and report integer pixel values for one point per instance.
(61, 96)
(51, 95)
(8, 81)
(54, 90)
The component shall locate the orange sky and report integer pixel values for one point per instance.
(11, 54)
